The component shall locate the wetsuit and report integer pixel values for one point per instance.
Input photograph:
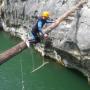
(37, 28)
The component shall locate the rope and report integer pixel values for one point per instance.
(42, 65)
(22, 82)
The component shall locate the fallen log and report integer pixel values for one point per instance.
(19, 47)
(61, 18)
(11, 52)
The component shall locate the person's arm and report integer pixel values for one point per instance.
(49, 21)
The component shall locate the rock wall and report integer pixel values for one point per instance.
(69, 43)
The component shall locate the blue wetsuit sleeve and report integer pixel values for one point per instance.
(48, 21)
(40, 27)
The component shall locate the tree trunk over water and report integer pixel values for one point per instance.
(11, 52)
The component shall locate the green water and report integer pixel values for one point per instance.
(16, 74)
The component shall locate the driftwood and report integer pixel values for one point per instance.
(11, 52)
(61, 18)
(19, 47)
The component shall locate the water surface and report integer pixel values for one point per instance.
(16, 74)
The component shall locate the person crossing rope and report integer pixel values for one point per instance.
(37, 28)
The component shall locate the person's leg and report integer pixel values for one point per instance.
(35, 38)
(38, 38)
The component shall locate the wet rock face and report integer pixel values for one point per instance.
(71, 37)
